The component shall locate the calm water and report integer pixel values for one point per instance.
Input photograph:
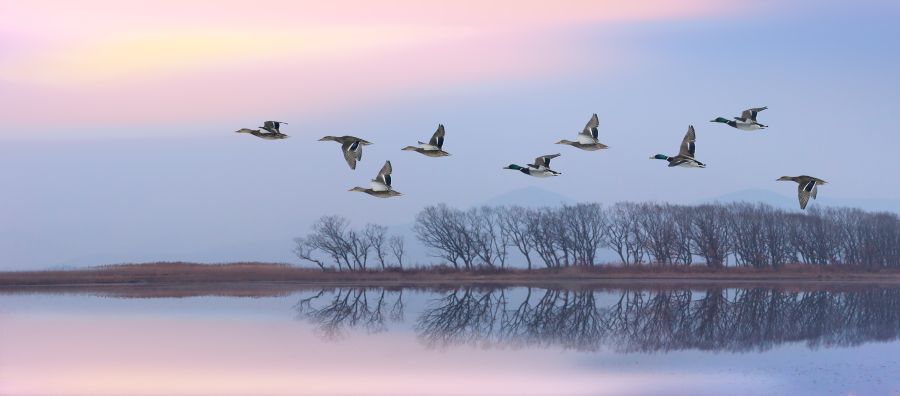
(467, 341)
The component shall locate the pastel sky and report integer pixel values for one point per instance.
(117, 138)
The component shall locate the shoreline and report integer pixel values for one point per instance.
(256, 279)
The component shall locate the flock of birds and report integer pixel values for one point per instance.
(587, 139)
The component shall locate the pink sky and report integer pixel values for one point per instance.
(97, 355)
(153, 63)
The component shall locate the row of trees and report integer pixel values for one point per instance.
(634, 320)
(715, 235)
(333, 238)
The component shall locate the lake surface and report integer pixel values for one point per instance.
(518, 341)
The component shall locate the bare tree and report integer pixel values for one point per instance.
(397, 247)
(305, 250)
(657, 232)
(376, 237)
(587, 225)
(444, 231)
(709, 233)
(514, 227)
(331, 235)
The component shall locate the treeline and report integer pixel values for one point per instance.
(715, 235)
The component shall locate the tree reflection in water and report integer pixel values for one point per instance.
(627, 321)
(352, 308)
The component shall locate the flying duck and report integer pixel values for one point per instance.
(351, 146)
(807, 187)
(380, 186)
(540, 168)
(434, 147)
(747, 120)
(587, 138)
(685, 157)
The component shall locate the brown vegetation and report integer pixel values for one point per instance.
(256, 278)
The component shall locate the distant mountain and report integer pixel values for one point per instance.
(529, 197)
(790, 202)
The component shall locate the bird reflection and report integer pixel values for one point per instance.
(715, 319)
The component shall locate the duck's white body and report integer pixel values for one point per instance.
(543, 173)
(691, 164)
(428, 147)
(747, 126)
(378, 186)
(585, 139)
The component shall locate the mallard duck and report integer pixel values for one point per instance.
(807, 187)
(747, 120)
(351, 146)
(685, 157)
(540, 168)
(380, 186)
(269, 135)
(587, 138)
(434, 147)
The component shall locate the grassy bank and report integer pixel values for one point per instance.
(235, 273)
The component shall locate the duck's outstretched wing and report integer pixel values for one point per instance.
(352, 152)
(750, 114)
(806, 189)
(363, 142)
(273, 126)
(437, 139)
(384, 176)
(688, 145)
(592, 127)
(543, 161)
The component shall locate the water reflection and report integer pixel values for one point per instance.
(349, 308)
(715, 319)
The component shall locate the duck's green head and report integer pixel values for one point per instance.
(721, 119)
(512, 166)
(660, 156)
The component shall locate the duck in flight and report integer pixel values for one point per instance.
(807, 187)
(272, 131)
(351, 146)
(380, 186)
(685, 157)
(587, 138)
(434, 147)
(747, 120)
(540, 168)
